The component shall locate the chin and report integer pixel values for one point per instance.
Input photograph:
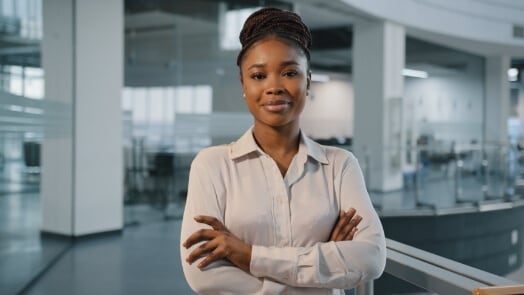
(277, 123)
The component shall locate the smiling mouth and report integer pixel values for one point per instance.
(277, 106)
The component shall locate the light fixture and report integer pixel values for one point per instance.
(319, 78)
(513, 74)
(415, 73)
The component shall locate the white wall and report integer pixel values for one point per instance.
(82, 175)
(98, 117)
(520, 101)
(57, 148)
(497, 99)
(329, 110)
(448, 106)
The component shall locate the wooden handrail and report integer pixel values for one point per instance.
(499, 290)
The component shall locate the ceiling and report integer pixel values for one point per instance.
(331, 28)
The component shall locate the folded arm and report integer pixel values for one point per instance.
(339, 263)
(221, 276)
(335, 264)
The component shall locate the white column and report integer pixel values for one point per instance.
(378, 60)
(82, 57)
(497, 110)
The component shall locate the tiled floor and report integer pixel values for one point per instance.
(144, 259)
(23, 252)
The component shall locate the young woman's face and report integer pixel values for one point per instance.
(275, 80)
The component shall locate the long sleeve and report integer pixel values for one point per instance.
(285, 219)
(341, 265)
(220, 277)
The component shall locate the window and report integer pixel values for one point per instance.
(24, 81)
(153, 109)
(231, 25)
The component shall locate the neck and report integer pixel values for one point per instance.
(278, 141)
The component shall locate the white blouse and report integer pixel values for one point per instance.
(287, 220)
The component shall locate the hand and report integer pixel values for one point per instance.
(219, 243)
(346, 226)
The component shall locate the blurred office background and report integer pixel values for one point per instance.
(104, 104)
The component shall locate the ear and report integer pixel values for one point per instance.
(308, 85)
(242, 83)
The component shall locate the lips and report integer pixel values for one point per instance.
(276, 105)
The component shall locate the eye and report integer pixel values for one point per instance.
(257, 76)
(290, 73)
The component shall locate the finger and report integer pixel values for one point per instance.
(212, 257)
(211, 221)
(351, 212)
(199, 236)
(346, 228)
(350, 227)
(200, 251)
(336, 230)
(351, 234)
(343, 226)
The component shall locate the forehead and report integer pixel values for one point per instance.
(274, 48)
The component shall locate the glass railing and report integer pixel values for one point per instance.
(436, 177)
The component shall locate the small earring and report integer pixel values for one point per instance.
(244, 95)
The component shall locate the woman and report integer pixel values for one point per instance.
(266, 214)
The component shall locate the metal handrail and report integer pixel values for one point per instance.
(441, 275)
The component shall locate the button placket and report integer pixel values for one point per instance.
(281, 202)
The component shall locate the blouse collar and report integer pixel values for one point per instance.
(247, 144)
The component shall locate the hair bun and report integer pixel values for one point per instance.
(274, 21)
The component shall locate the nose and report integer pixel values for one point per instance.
(275, 91)
(275, 87)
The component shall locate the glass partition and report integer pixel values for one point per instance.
(181, 94)
(24, 114)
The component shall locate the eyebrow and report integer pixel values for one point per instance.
(283, 64)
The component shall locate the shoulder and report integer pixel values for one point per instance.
(338, 155)
(212, 156)
(340, 161)
(327, 154)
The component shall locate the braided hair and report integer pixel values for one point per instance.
(271, 21)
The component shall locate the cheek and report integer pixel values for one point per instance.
(252, 90)
(300, 89)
